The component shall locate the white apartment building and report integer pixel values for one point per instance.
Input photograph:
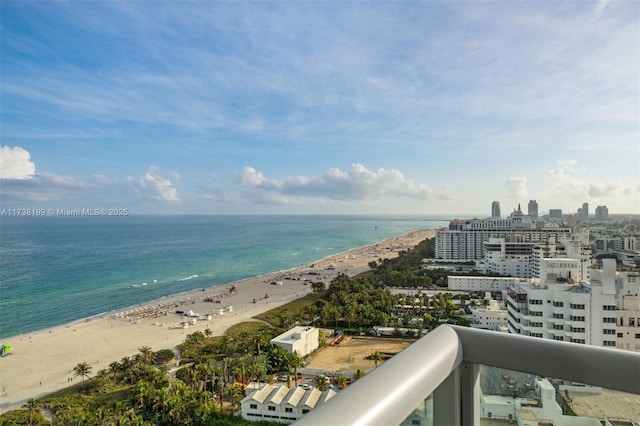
(465, 240)
(300, 339)
(521, 259)
(575, 246)
(628, 324)
(556, 309)
(511, 259)
(628, 313)
(492, 284)
(278, 403)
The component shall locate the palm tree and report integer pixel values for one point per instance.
(147, 356)
(33, 413)
(83, 370)
(341, 382)
(358, 374)
(323, 383)
(234, 394)
(295, 362)
(377, 356)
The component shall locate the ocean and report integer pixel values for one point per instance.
(56, 270)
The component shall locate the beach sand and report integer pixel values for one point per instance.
(42, 362)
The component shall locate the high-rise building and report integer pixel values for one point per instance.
(495, 209)
(555, 213)
(533, 209)
(602, 213)
(558, 308)
(583, 213)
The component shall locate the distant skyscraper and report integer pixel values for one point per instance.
(495, 209)
(533, 209)
(582, 214)
(602, 213)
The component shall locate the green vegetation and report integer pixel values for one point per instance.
(295, 311)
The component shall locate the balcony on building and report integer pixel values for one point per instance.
(436, 380)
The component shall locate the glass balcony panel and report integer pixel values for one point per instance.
(514, 397)
(422, 415)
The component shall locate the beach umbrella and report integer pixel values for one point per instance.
(5, 349)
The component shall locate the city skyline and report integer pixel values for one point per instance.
(433, 108)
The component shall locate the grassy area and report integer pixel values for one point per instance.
(274, 316)
(247, 327)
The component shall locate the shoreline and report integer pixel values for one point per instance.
(42, 361)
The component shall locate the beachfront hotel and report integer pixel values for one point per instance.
(464, 239)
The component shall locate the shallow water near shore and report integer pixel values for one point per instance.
(58, 270)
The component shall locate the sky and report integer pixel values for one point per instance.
(320, 107)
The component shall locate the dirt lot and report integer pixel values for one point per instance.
(350, 355)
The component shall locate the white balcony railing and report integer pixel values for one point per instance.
(446, 362)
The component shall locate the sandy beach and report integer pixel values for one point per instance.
(42, 362)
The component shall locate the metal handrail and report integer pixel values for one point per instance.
(390, 393)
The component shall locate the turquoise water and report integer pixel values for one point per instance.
(55, 270)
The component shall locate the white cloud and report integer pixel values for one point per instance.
(359, 183)
(15, 163)
(517, 187)
(568, 186)
(158, 188)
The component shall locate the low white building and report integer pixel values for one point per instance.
(300, 339)
(532, 411)
(278, 403)
(492, 284)
(489, 317)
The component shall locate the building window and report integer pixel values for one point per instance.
(575, 318)
(609, 320)
(558, 304)
(272, 408)
(609, 307)
(253, 406)
(609, 343)
(416, 422)
(637, 336)
(288, 409)
(576, 306)
(305, 411)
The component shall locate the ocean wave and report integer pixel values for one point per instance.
(188, 278)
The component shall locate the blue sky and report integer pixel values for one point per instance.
(417, 107)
